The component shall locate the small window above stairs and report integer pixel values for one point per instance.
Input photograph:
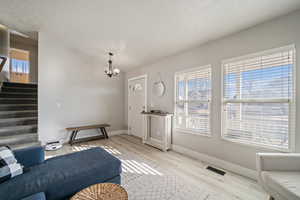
(18, 115)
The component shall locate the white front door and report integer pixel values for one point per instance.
(136, 104)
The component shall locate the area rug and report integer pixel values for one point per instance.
(145, 180)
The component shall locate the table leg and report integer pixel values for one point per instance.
(106, 135)
(73, 136)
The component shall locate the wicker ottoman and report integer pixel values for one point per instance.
(102, 191)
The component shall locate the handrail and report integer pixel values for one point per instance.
(2, 63)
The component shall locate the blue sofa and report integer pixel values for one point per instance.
(60, 177)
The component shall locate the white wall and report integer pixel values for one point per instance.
(4, 51)
(73, 90)
(276, 33)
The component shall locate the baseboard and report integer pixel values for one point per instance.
(216, 162)
(117, 132)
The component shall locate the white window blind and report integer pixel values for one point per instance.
(192, 100)
(258, 98)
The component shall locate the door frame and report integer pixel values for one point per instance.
(145, 77)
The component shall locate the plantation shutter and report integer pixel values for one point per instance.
(258, 98)
(193, 96)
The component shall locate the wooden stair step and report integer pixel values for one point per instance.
(14, 107)
(18, 95)
(16, 89)
(18, 121)
(18, 139)
(25, 145)
(18, 114)
(22, 85)
(18, 100)
(17, 130)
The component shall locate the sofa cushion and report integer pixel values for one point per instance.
(61, 177)
(38, 196)
(286, 183)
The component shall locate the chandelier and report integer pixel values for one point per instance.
(110, 71)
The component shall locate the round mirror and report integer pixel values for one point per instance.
(158, 89)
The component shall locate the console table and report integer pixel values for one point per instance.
(157, 130)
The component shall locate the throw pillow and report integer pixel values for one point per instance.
(9, 167)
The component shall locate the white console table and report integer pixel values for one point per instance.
(157, 130)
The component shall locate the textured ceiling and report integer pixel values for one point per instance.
(138, 31)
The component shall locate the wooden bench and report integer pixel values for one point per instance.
(75, 130)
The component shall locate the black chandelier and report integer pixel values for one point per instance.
(110, 71)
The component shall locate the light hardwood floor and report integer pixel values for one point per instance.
(193, 171)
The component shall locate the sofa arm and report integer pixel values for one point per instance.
(278, 162)
(30, 156)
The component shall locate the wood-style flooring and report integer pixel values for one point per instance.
(193, 171)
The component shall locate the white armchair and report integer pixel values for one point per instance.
(279, 174)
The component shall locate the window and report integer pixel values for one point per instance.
(20, 66)
(192, 100)
(258, 99)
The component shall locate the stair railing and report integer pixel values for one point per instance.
(2, 62)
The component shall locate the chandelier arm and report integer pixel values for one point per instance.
(110, 71)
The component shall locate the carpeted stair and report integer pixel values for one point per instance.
(18, 115)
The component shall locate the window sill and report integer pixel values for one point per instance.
(257, 146)
(192, 132)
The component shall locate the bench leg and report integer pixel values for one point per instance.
(105, 133)
(73, 136)
(99, 130)
(103, 130)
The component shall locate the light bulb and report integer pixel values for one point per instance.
(116, 71)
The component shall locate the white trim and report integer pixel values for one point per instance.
(117, 132)
(193, 69)
(191, 131)
(256, 146)
(256, 101)
(292, 107)
(145, 77)
(193, 101)
(250, 173)
(261, 53)
(137, 77)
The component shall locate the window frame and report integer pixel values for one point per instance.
(291, 101)
(209, 102)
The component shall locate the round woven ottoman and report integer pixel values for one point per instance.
(102, 191)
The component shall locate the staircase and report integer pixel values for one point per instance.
(18, 115)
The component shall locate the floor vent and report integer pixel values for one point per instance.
(215, 170)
